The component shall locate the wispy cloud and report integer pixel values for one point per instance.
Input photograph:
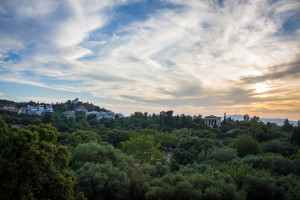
(206, 55)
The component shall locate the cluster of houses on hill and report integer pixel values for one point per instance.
(32, 110)
(44, 109)
(99, 115)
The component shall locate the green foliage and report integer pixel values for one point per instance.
(32, 166)
(142, 148)
(84, 125)
(245, 145)
(79, 116)
(139, 185)
(48, 118)
(296, 155)
(290, 184)
(222, 155)
(295, 138)
(101, 131)
(79, 137)
(274, 164)
(102, 181)
(101, 171)
(149, 132)
(115, 137)
(262, 188)
(258, 130)
(287, 127)
(258, 183)
(131, 134)
(167, 140)
(203, 134)
(194, 186)
(97, 153)
(153, 170)
(4, 134)
(188, 149)
(278, 147)
(238, 173)
(62, 127)
(61, 107)
(184, 132)
(24, 119)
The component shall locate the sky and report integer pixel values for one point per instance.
(192, 56)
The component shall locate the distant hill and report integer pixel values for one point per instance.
(68, 105)
(277, 121)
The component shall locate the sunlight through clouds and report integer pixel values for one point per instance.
(198, 56)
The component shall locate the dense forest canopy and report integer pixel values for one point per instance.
(145, 156)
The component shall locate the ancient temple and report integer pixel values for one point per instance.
(212, 121)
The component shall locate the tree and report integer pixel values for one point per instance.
(149, 132)
(32, 166)
(238, 173)
(203, 134)
(142, 148)
(79, 137)
(48, 118)
(79, 116)
(245, 145)
(62, 127)
(188, 149)
(222, 155)
(184, 132)
(273, 163)
(262, 188)
(101, 171)
(255, 119)
(102, 181)
(85, 125)
(102, 131)
(246, 118)
(4, 134)
(167, 140)
(296, 155)
(287, 127)
(194, 186)
(115, 137)
(274, 146)
(295, 138)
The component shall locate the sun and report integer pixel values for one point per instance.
(260, 87)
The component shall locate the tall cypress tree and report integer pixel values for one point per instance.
(287, 127)
(295, 138)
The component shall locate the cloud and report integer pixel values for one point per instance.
(194, 53)
(283, 71)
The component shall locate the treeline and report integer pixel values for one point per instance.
(149, 157)
(59, 107)
(164, 121)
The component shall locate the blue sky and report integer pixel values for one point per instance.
(193, 56)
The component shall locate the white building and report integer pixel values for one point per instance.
(40, 107)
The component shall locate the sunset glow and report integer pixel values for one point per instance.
(260, 87)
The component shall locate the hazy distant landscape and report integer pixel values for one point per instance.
(277, 121)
